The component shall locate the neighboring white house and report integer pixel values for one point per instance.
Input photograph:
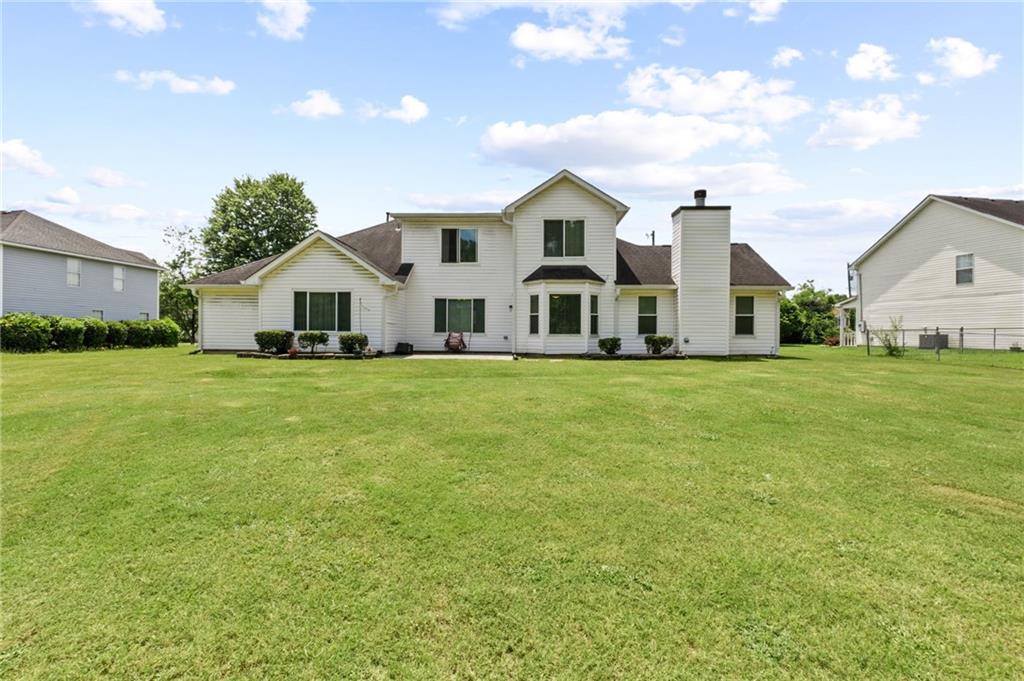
(50, 269)
(951, 262)
(545, 275)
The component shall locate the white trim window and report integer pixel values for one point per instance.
(564, 238)
(965, 269)
(565, 314)
(98, 314)
(646, 315)
(321, 311)
(144, 316)
(460, 245)
(460, 314)
(534, 315)
(119, 278)
(744, 325)
(74, 272)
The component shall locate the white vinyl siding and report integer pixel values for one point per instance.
(701, 238)
(489, 278)
(911, 276)
(227, 319)
(564, 200)
(321, 267)
(765, 339)
(628, 314)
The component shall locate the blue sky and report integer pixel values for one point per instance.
(821, 124)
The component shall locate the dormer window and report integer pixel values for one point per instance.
(563, 238)
(458, 245)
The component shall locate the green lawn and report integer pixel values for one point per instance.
(827, 514)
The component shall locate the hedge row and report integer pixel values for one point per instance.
(279, 341)
(27, 332)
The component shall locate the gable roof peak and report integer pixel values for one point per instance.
(565, 174)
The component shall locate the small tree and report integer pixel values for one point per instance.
(890, 338)
(610, 345)
(657, 344)
(311, 339)
(184, 265)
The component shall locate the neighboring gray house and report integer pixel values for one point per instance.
(50, 269)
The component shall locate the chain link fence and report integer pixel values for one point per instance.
(955, 338)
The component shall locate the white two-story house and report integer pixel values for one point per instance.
(544, 275)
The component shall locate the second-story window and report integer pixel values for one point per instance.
(74, 267)
(458, 245)
(118, 278)
(563, 238)
(965, 269)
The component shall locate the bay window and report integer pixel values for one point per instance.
(564, 311)
(534, 315)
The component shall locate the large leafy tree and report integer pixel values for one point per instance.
(809, 316)
(255, 218)
(184, 265)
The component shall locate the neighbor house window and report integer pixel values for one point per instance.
(458, 245)
(563, 238)
(459, 314)
(593, 315)
(965, 269)
(118, 278)
(744, 315)
(144, 316)
(98, 314)
(322, 311)
(74, 272)
(647, 315)
(534, 315)
(564, 313)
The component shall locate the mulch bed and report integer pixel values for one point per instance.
(304, 355)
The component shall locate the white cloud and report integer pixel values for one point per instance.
(179, 85)
(317, 104)
(284, 19)
(962, 59)
(65, 195)
(762, 11)
(677, 180)
(121, 212)
(16, 155)
(456, 15)
(575, 33)
(674, 36)
(737, 95)
(491, 200)
(135, 17)
(107, 177)
(843, 211)
(611, 138)
(457, 121)
(519, 61)
(871, 62)
(877, 120)
(785, 56)
(925, 78)
(410, 110)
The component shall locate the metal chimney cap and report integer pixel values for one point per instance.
(700, 194)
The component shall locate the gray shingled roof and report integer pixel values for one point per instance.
(563, 273)
(652, 266)
(20, 227)
(380, 245)
(1006, 209)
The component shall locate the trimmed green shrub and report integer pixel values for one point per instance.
(69, 334)
(140, 333)
(311, 339)
(117, 334)
(351, 342)
(276, 341)
(166, 332)
(95, 332)
(610, 345)
(657, 344)
(24, 332)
